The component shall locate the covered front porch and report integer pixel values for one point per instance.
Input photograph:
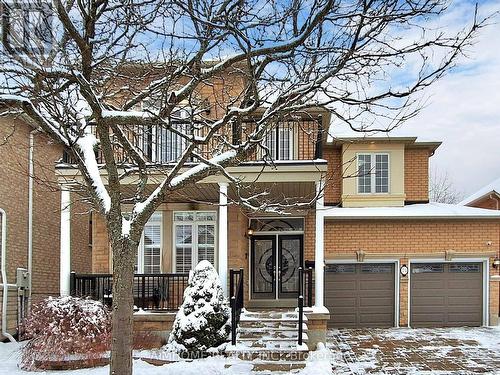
(206, 223)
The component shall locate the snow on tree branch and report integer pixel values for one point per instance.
(87, 145)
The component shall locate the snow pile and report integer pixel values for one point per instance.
(203, 319)
(63, 327)
(87, 143)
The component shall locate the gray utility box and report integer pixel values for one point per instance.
(22, 278)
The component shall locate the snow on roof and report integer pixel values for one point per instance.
(415, 211)
(343, 131)
(492, 187)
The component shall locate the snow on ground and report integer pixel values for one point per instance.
(318, 363)
(415, 351)
(348, 352)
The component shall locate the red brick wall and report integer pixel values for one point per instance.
(417, 174)
(46, 209)
(408, 239)
(487, 202)
(333, 184)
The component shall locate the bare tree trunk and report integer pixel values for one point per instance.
(123, 301)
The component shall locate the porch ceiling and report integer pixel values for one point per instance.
(281, 172)
(209, 193)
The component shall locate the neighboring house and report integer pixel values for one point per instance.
(382, 254)
(486, 197)
(30, 208)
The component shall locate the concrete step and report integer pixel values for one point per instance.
(282, 366)
(268, 326)
(270, 355)
(277, 335)
(270, 316)
(270, 345)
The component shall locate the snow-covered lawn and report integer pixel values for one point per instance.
(415, 351)
(318, 363)
(368, 351)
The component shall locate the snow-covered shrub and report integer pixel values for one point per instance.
(62, 328)
(203, 320)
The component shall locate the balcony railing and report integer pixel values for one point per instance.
(162, 291)
(289, 140)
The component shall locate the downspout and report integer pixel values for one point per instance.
(30, 211)
(497, 200)
(4, 277)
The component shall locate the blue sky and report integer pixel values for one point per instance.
(463, 109)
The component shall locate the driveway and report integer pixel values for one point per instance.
(416, 351)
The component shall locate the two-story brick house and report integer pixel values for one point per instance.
(382, 254)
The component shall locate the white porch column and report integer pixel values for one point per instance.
(65, 248)
(319, 255)
(222, 237)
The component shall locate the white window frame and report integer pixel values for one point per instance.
(194, 234)
(140, 249)
(276, 134)
(171, 140)
(373, 174)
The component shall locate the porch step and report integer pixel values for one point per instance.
(282, 366)
(270, 316)
(271, 325)
(267, 355)
(269, 340)
(271, 335)
(274, 367)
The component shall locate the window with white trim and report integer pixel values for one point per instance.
(373, 173)
(194, 238)
(149, 251)
(164, 145)
(279, 141)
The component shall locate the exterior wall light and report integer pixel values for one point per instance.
(496, 262)
(249, 232)
(404, 270)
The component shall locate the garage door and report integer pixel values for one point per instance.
(360, 295)
(446, 294)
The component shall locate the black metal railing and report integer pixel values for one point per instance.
(300, 305)
(236, 301)
(163, 291)
(308, 286)
(288, 140)
(305, 289)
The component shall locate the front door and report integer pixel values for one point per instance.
(275, 260)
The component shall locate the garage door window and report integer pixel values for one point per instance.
(341, 268)
(428, 268)
(376, 268)
(465, 267)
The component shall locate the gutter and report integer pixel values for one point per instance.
(30, 210)
(4, 284)
(409, 217)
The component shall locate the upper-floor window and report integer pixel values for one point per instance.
(373, 173)
(194, 238)
(162, 145)
(279, 142)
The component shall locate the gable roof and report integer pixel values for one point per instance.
(431, 210)
(492, 187)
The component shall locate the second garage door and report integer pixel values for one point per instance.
(446, 294)
(360, 295)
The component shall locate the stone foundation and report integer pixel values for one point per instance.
(153, 328)
(316, 327)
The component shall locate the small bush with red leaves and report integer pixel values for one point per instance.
(66, 328)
